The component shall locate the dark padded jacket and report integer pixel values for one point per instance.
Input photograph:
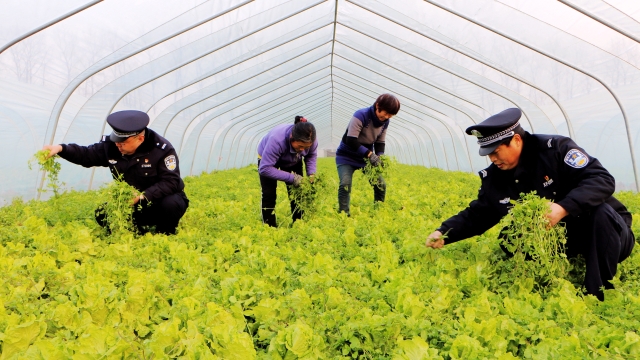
(552, 165)
(153, 169)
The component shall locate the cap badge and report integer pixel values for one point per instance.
(476, 133)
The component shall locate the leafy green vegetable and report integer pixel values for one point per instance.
(51, 167)
(333, 287)
(373, 173)
(538, 249)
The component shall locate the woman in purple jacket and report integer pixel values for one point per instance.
(280, 156)
(364, 139)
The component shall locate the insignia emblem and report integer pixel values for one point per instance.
(505, 200)
(549, 143)
(164, 146)
(113, 162)
(576, 159)
(146, 160)
(484, 173)
(170, 162)
(476, 133)
(548, 181)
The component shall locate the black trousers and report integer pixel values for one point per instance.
(269, 196)
(604, 240)
(164, 214)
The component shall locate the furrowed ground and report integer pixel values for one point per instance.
(228, 287)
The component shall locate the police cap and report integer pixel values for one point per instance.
(127, 123)
(492, 131)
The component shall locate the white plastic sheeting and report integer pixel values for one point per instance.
(216, 75)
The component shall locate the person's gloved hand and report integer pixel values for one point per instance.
(297, 179)
(375, 160)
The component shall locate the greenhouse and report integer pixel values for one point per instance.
(213, 80)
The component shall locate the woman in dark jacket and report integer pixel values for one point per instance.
(364, 138)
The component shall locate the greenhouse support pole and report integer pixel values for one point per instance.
(46, 25)
(604, 22)
(615, 97)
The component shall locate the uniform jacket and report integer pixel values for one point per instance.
(153, 168)
(275, 152)
(370, 133)
(552, 165)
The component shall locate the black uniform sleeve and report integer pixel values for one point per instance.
(169, 180)
(379, 148)
(590, 184)
(477, 218)
(87, 156)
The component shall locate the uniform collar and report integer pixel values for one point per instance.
(527, 157)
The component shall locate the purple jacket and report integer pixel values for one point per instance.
(275, 152)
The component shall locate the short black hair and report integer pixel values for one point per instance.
(299, 118)
(304, 132)
(388, 103)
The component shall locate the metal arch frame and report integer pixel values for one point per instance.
(466, 145)
(418, 125)
(229, 124)
(48, 24)
(252, 143)
(240, 62)
(333, 44)
(400, 123)
(241, 132)
(317, 97)
(245, 92)
(391, 136)
(210, 51)
(254, 139)
(62, 100)
(204, 123)
(544, 53)
(233, 124)
(420, 80)
(455, 124)
(569, 34)
(469, 54)
(445, 125)
(307, 111)
(78, 80)
(601, 20)
(200, 56)
(456, 75)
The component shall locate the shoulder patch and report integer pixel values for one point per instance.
(483, 173)
(576, 159)
(170, 162)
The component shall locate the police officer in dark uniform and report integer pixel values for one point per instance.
(146, 160)
(598, 225)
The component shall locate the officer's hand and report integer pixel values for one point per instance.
(53, 149)
(297, 179)
(557, 213)
(375, 160)
(435, 240)
(137, 199)
(312, 178)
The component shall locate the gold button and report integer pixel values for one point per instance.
(516, 181)
(145, 173)
(137, 159)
